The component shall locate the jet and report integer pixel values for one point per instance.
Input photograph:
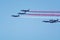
(25, 11)
(15, 15)
(21, 13)
(52, 21)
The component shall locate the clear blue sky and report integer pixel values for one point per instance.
(27, 28)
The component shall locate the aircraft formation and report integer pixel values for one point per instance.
(24, 12)
(51, 21)
(46, 21)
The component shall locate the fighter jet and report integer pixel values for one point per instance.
(15, 15)
(25, 11)
(52, 21)
(21, 13)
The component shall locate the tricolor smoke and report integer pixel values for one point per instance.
(45, 13)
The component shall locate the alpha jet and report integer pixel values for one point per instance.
(21, 13)
(25, 11)
(52, 21)
(15, 15)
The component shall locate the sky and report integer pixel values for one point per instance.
(27, 28)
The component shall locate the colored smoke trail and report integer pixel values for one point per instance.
(44, 14)
(46, 11)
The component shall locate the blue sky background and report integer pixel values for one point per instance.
(27, 28)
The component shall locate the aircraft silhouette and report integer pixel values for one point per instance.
(25, 11)
(21, 13)
(15, 15)
(52, 21)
